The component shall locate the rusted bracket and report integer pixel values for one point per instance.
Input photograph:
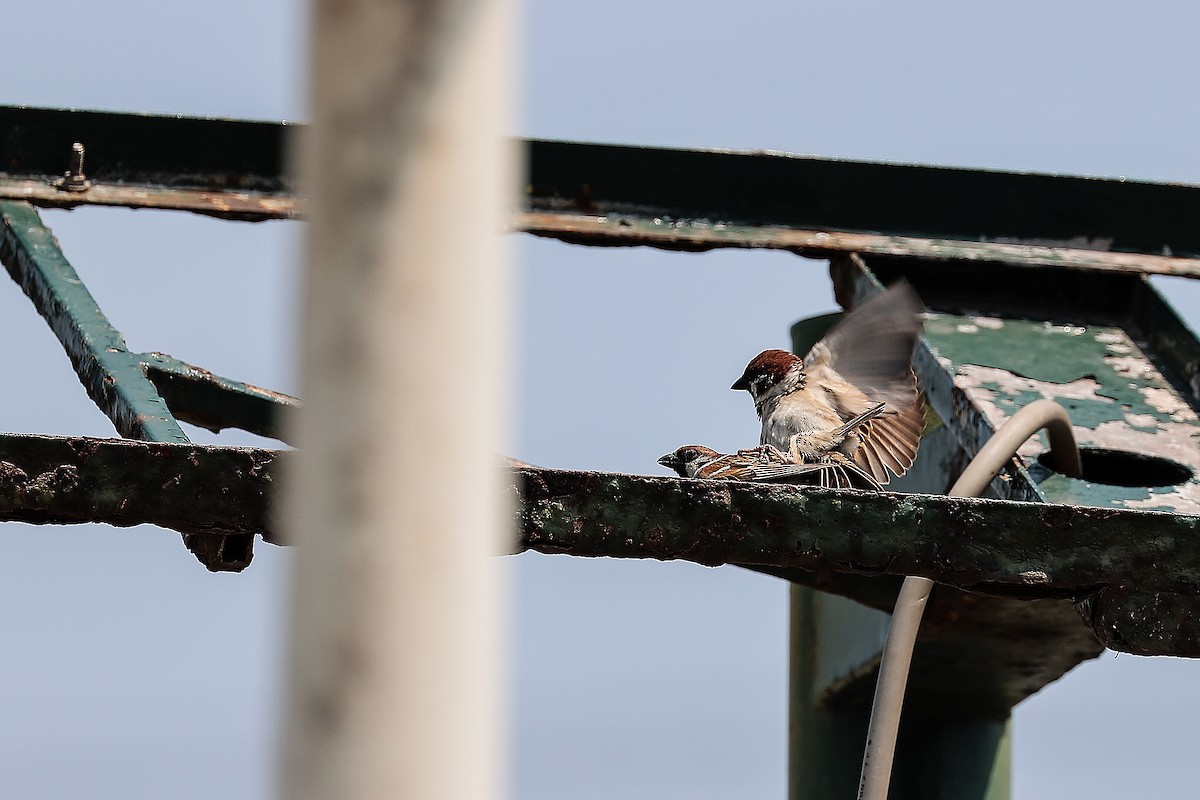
(143, 394)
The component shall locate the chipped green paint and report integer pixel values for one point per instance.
(1061, 489)
(1100, 373)
(1125, 614)
(1115, 393)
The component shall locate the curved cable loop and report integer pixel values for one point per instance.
(910, 604)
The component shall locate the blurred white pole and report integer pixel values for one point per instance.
(398, 614)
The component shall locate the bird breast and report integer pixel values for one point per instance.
(801, 411)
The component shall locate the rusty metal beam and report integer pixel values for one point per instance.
(243, 206)
(1116, 561)
(1132, 565)
(993, 547)
(216, 496)
(670, 198)
(778, 528)
(630, 230)
(224, 167)
(690, 199)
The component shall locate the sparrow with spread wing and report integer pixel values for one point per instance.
(814, 407)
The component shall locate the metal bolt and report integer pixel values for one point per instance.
(77, 158)
(73, 180)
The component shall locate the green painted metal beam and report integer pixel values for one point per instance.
(955, 733)
(825, 745)
(112, 376)
(210, 401)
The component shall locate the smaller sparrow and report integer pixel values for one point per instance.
(766, 464)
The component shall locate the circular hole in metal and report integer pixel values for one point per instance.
(1126, 468)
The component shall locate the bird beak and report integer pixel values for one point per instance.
(740, 384)
(670, 461)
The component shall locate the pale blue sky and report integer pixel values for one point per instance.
(130, 672)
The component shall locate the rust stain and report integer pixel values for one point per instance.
(1074, 242)
(636, 228)
(233, 205)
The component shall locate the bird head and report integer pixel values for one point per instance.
(687, 459)
(771, 370)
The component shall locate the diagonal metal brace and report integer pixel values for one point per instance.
(210, 401)
(143, 394)
(112, 375)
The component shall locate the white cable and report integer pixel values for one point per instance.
(910, 604)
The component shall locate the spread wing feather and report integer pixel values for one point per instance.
(830, 476)
(867, 355)
(872, 345)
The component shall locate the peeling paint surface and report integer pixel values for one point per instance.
(1108, 381)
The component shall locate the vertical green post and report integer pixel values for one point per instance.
(825, 747)
(835, 645)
